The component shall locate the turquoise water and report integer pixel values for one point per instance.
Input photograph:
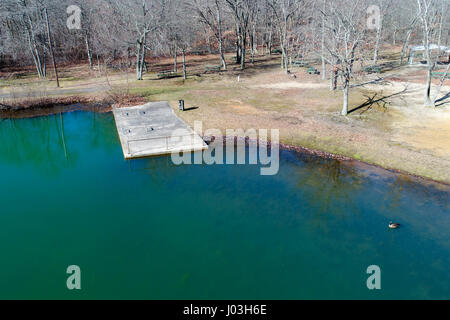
(149, 230)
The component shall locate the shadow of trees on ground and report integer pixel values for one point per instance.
(377, 99)
(443, 100)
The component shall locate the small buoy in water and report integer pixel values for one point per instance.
(394, 225)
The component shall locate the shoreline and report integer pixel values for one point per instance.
(26, 113)
(34, 112)
(331, 156)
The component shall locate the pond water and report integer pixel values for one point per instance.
(147, 229)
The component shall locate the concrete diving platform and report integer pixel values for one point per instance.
(154, 129)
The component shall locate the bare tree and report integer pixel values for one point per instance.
(333, 30)
(50, 44)
(242, 11)
(284, 11)
(210, 13)
(28, 22)
(409, 30)
(428, 14)
(183, 31)
(384, 6)
(142, 18)
(346, 30)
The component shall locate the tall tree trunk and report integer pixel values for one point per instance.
(243, 49)
(252, 39)
(284, 60)
(270, 42)
(52, 51)
(143, 64)
(285, 49)
(324, 67)
(138, 60)
(431, 65)
(441, 22)
(238, 45)
(405, 46)
(446, 38)
(377, 43)
(88, 49)
(36, 58)
(129, 62)
(222, 55)
(219, 31)
(99, 66)
(44, 63)
(254, 44)
(175, 59)
(141, 51)
(34, 48)
(428, 101)
(345, 105)
(333, 79)
(184, 65)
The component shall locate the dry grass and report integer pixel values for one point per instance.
(111, 99)
(46, 102)
(122, 99)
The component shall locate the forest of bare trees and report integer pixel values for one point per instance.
(338, 33)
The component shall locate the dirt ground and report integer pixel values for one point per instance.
(388, 125)
(401, 135)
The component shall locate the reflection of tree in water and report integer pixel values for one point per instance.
(30, 141)
(333, 188)
(422, 193)
(103, 128)
(53, 143)
(396, 191)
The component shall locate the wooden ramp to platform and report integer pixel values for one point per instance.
(153, 130)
